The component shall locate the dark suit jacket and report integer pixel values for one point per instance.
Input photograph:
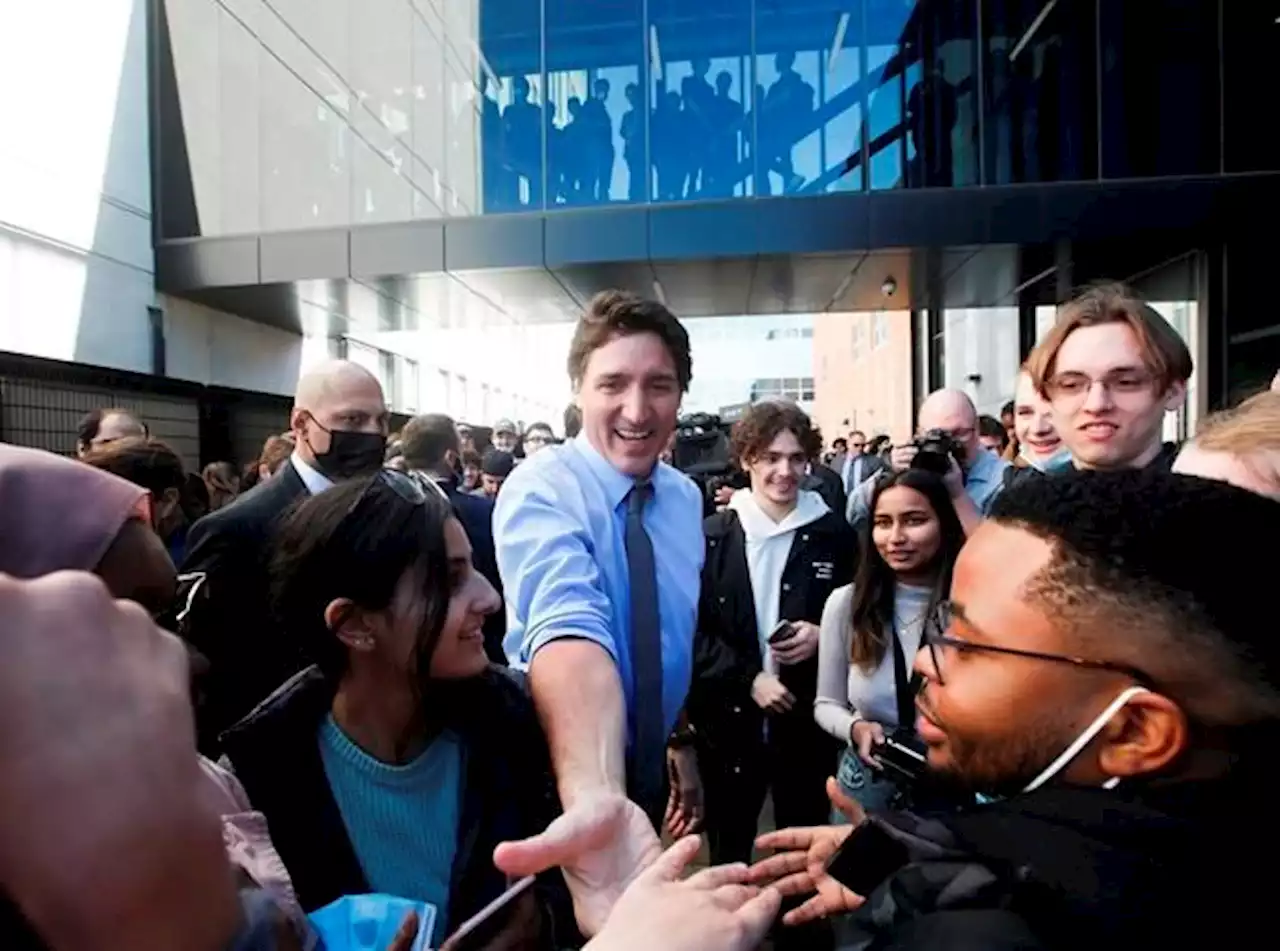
(871, 464)
(476, 515)
(826, 482)
(233, 625)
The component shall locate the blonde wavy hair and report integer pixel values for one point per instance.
(1251, 433)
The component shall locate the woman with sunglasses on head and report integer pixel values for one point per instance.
(401, 758)
(872, 629)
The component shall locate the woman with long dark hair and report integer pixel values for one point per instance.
(400, 760)
(871, 630)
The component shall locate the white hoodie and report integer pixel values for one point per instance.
(768, 545)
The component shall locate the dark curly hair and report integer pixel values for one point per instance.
(1138, 576)
(761, 424)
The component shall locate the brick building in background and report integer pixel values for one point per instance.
(862, 373)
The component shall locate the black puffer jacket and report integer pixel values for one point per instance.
(1064, 868)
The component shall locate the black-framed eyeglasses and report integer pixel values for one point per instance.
(935, 638)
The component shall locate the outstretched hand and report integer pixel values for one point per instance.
(800, 865)
(601, 843)
(713, 910)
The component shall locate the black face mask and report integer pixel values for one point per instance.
(351, 454)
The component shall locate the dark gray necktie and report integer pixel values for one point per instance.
(647, 767)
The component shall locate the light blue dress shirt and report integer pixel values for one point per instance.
(559, 530)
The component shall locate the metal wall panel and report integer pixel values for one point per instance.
(251, 426)
(44, 415)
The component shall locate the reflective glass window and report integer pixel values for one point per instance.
(463, 122)
(381, 78)
(306, 114)
(700, 81)
(812, 84)
(1160, 108)
(511, 105)
(192, 187)
(1251, 87)
(239, 122)
(427, 115)
(1040, 88)
(921, 62)
(596, 112)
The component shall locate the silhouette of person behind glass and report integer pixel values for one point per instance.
(699, 106)
(931, 115)
(722, 150)
(788, 110)
(598, 151)
(522, 133)
(631, 129)
(575, 140)
(557, 192)
(499, 179)
(669, 146)
(758, 146)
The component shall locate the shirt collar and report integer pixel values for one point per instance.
(985, 467)
(315, 481)
(616, 484)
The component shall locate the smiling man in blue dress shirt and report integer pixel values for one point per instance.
(600, 550)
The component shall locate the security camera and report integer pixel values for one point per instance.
(889, 287)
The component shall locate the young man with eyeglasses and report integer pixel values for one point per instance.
(1111, 368)
(1111, 691)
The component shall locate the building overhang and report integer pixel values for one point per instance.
(962, 247)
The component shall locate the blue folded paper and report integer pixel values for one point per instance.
(369, 922)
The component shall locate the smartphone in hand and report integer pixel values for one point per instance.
(781, 632)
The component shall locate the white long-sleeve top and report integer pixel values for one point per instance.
(844, 689)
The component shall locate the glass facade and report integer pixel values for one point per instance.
(315, 113)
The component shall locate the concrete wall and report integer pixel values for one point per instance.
(981, 354)
(76, 266)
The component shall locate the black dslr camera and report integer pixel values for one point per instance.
(934, 452)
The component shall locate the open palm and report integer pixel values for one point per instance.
(800, 868)
(601, 843)
(800, 865)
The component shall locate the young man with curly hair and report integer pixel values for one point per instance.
(774, 555)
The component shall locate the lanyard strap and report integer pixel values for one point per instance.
(906, 682)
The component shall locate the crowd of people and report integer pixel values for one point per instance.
(996, 687)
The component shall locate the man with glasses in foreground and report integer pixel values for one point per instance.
(1113, 692)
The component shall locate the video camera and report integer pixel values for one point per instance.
(934, 451)
(702, 446)
(702, 452)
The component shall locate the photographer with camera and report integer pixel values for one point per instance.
(872, 629)
(949, 446)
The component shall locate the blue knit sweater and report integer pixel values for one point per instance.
(402, 820)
